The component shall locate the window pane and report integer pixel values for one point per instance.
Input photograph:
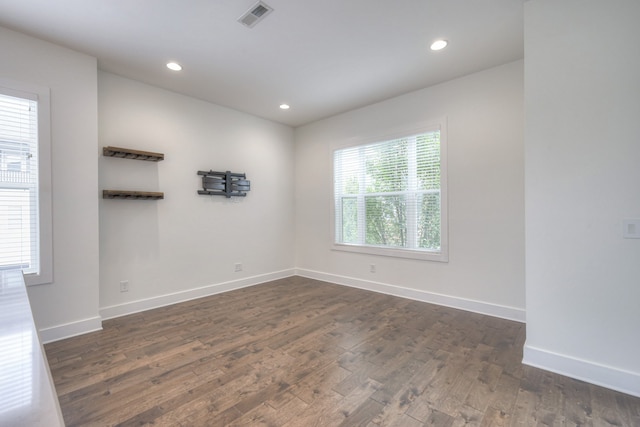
(349, 220)
(15, 243)
(387, 166)
(346, 164)
(429, 221)
(428, 161)
(386, 221)
(18, 184)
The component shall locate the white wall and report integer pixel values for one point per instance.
(485, 271)
(186, 245)
(179, 248)
(582, 139)
(71, 301)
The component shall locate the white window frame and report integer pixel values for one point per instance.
(440, 256)
(45, 232)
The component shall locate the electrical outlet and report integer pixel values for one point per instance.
(631, 229)
(372, 268)
(124, 286)
(238, 266)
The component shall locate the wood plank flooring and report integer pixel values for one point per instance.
(300, 352)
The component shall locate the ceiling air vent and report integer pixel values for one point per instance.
(255, 14)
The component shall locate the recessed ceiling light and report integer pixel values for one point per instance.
(284, 106)
(439, 44)
(174, 66)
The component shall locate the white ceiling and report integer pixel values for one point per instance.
(322, 57)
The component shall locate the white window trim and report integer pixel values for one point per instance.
(416, 128)
(42, 94)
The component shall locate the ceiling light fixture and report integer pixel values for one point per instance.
(174, 66)
(284, 106)
(439, 44)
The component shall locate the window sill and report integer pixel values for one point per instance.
(34, 279)
(441, 256)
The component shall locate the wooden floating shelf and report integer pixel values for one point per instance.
(127, 153)
(132, 195)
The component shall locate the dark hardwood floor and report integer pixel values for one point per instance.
(299, 352)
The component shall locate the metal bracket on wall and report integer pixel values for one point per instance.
(226, 184)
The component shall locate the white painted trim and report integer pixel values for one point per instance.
(583, 370)
(495, 310)
(177, 297)
(68, 330)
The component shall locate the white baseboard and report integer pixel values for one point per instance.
(177, 297)
(584, 370)
(69, 330)
(495, 310)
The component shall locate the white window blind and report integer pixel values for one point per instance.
(389, 195)
(19, 213)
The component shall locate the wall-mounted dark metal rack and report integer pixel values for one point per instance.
(226, 184)
(128, 153)
(131, 195)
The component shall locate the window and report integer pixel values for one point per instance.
(390, 196)
(25, 189)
